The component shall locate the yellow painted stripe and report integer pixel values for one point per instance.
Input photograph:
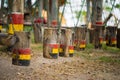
(82, 46)
(71, 51)
(55, 51)
(74, 44)
(114, 42)
(101, 42)
(14, 56)
(0, 27)
(107, 41)
(17, 27)
(60, 50)
(24, 57)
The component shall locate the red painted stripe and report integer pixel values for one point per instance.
(40, 20)
(61, 45)
(26, 51)
(54, 45)
(101, 39)
(71, 47)
(54, 22)
(113, 39)
(17, 18)
(83, 42)
(76, 41)
(106, 38)
(99, 23)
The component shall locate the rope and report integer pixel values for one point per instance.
(111, 9)
(62, 13)
(113, 6)
(80, 13)
(59, 25)
(72, 12)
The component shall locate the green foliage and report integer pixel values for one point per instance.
(82, 13)
(108, 8)
(117, 6)
(27, 28)
(68, 2)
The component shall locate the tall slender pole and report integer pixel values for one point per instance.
(88, 19)
(17, 16)
(88, 11)
(48, 12)
(97, 21)
(54, 11)
(40, 7)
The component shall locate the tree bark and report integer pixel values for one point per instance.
(38, 30)
(97, 17)
(66, 43)
(21, 50)
(118, 38)
(50, 45)
(80, 37)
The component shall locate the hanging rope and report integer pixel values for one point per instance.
(62, 13)
(113, 5)
(72, 12)
(83, 2)
(59, 25)
(105, 22)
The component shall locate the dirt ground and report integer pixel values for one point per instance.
(79, 67)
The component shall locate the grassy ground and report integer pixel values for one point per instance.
(113, 53)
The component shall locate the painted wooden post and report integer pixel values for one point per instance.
(66, 44)
(54, 12)
(97, 23)
(111, 39)
(88, 20)
(80, 38)
(16, 17)
(50, 45)
(21, 50)
(118, 38)
(1, 16)
(38, 23)
(50, 42)
(40, 8)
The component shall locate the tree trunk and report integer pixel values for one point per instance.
(66, 43)
(118, 38)
(50, 45)
(88, 21)
(38, 32)
(21, 50)
(40, 8)
(80, 38)
(111, 39)
(97, 21)
(16, 17)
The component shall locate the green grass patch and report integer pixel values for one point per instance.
(37, 47)
(81, 54)
(89, 46)
(110, 49)
(109, 59)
